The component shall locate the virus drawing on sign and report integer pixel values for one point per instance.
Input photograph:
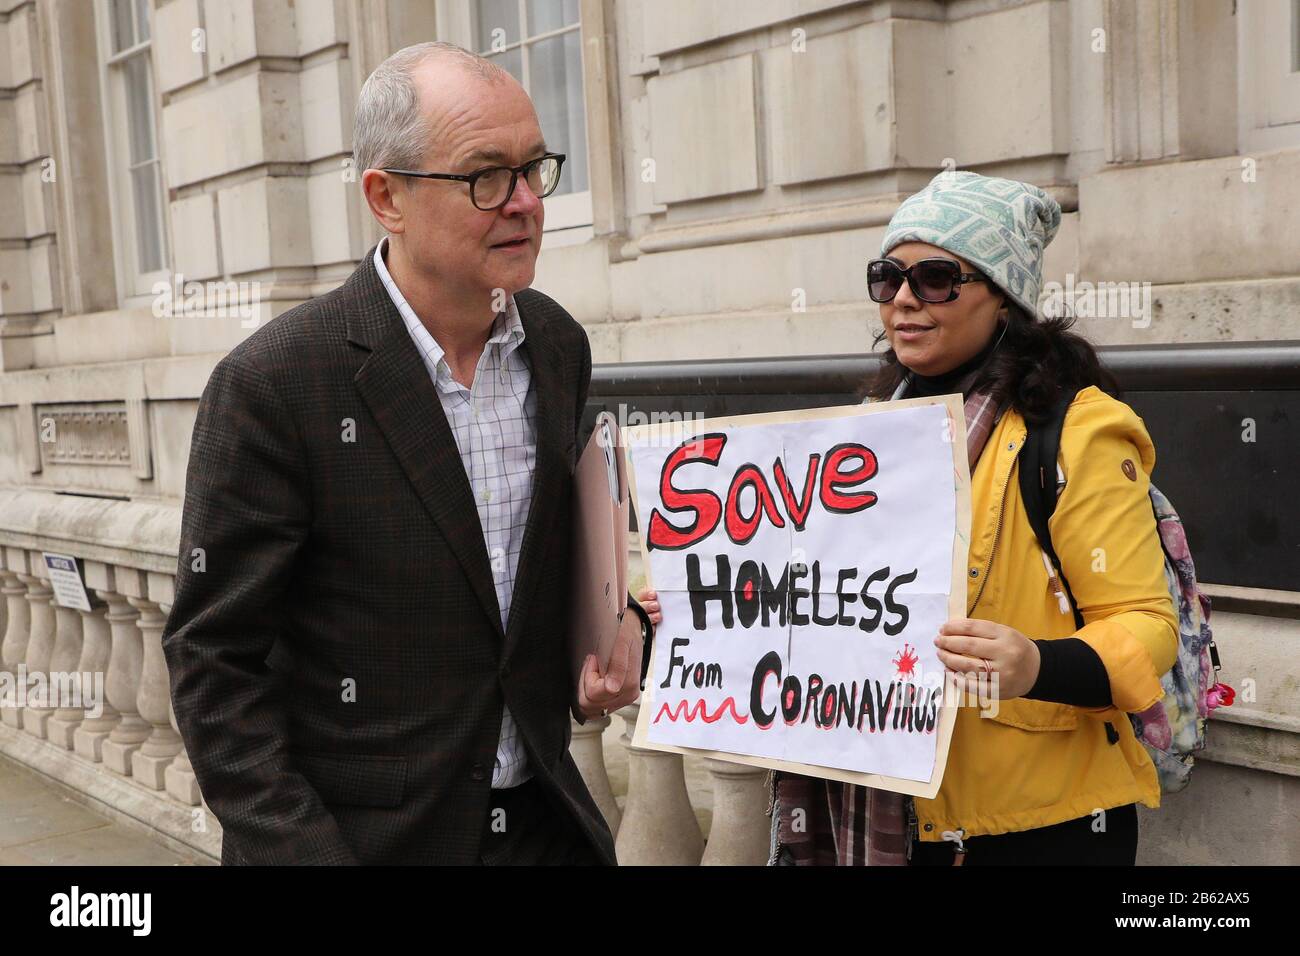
(905, 661)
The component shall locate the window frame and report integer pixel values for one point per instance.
(568, 211)
(1268, 84)
(134, 286)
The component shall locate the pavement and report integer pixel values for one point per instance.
(41, 826)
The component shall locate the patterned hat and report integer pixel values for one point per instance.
(1000, 226)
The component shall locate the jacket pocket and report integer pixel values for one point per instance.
(1036, 714)
(366, 780)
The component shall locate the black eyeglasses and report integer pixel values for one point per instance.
(931, 280)
(492, 186)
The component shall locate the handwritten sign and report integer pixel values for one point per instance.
(804, 562)
(65, 579)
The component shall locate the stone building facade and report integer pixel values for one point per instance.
(174, 173)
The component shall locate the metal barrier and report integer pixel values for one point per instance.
(1225, 419)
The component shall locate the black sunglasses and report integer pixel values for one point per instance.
(931, 280)
(492, 186)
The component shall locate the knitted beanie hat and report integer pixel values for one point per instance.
(1000, 226)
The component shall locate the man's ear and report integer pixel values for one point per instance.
(384, 194)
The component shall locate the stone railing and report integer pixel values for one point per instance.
(659, 821)
(85, 697)
(116, 748)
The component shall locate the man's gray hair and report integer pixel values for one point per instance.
(390, 130)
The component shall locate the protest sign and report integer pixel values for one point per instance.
(804, 562)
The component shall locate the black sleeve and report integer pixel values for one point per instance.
(1070, 672)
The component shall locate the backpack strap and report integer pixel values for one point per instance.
(1038, 492)
(1038, 485)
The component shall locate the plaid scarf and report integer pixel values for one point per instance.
(844, 824)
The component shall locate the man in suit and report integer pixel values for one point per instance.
(368, 646)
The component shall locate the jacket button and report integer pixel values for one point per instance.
(477, 773)
(974, 572)
(929, 827)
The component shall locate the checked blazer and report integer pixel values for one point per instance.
(338, 663)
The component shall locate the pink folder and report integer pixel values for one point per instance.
(600, 529)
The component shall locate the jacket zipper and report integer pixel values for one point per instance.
(997, 534)
(912, 832)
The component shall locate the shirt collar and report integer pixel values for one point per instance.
(507, 329)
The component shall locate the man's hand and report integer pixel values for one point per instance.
(620, 685)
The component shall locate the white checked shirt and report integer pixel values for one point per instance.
(494, 425)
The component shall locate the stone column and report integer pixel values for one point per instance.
(589, 754)
(99, 716)
(741, 830)
(64, 680)
(13, 650)
(40, 647)
(96, 659)
(659, 826)
(154, 701)
(125, 665)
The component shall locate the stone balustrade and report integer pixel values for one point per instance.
(116, 747)
(85, 697)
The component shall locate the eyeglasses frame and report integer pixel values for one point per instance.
(472, 178)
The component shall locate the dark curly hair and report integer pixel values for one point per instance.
(1036, 361)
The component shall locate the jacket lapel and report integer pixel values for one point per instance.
(401, 396)
(552, 470)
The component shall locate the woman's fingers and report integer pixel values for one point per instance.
(970, 646)
(649, 600)
(960, 662)
(970, 627)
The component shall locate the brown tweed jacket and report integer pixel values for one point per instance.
(338, 665)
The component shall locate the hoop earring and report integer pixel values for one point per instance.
(1006, 324)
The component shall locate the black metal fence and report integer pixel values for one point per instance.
(1225, 420)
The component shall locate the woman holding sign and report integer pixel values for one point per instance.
(1052, 772)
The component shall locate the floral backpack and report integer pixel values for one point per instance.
(1173, 728)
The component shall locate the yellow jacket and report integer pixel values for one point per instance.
(1037, 763)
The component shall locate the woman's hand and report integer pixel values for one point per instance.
(650, 601)
(964, 645)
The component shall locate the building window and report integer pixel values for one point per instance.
(132, 132)
(1268, 56)
(540, 43)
